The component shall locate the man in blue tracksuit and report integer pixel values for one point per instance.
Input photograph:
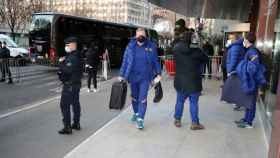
(140, 67)
(235, 53)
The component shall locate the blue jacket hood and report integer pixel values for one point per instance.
(239, 42)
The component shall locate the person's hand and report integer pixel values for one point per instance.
(61, 59)
(120, 78)
(157, 79)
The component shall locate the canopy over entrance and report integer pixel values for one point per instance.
(216, 9)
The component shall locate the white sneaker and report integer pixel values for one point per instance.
(89, 90)
(95, 90)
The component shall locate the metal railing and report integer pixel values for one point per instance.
(212, 69)
(18, 68)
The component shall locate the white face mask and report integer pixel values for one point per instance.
(67, 50)
(229, 42)
(244, 44)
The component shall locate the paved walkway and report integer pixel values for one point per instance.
(161, 139)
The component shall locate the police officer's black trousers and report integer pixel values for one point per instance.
(4, 66)
(70, 96)
(92, 76)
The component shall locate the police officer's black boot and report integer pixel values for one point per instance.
(66, 130)
(76, 126)
(10, 81)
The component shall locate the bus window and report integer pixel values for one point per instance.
(40, 34)
(41, 22)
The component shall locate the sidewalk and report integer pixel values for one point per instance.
(161, 139)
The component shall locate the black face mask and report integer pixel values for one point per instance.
(141, 39)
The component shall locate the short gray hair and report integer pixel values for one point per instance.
(141, 29)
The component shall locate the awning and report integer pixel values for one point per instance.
(216, 9)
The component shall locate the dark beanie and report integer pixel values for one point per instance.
(181, 23)
(251, 37)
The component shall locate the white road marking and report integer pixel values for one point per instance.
(68, 155)
(29, 107)
(34, 79)
(47, 84)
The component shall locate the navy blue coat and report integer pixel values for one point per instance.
(188, 68)
(129, 55)
(235, 53)
(251, 71)
(70, 70)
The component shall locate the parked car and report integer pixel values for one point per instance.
(21, 54)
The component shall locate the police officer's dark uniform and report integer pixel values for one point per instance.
(70, 73)
(4, 65)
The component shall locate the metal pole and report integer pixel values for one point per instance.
(50, 5)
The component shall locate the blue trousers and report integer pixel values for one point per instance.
(179, 108)
(251, 113)
(139, 92)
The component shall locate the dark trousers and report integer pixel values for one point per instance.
(92, 76)
(224, 74)
(4, 66)
(251, 113)
(70, 96)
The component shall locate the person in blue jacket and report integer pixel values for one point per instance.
(251, 73)
(235, 53)
(140, 67)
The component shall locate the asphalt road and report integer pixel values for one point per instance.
(33, 133)
(36, 83)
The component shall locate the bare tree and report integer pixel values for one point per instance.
(17, 13)
(37, 6)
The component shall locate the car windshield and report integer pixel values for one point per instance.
(9, 41)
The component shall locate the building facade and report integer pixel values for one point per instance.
(119, 11)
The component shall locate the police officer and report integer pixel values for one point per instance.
(5, 69)
(70, 73)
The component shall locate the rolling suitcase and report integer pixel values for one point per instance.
(118, 95)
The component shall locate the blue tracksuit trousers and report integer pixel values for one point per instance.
(250, 113)
(139, 92)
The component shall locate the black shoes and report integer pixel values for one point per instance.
(240, 121)
(238, 108)
(76, 126)
(66, 131)
(10, 81)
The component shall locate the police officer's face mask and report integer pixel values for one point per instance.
(67, 49)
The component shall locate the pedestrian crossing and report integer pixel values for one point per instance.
(47, 81)
(42, 78)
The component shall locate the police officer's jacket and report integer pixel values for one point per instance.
(4, 53)
(70, 70)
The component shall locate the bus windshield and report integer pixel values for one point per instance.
(41, 22)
